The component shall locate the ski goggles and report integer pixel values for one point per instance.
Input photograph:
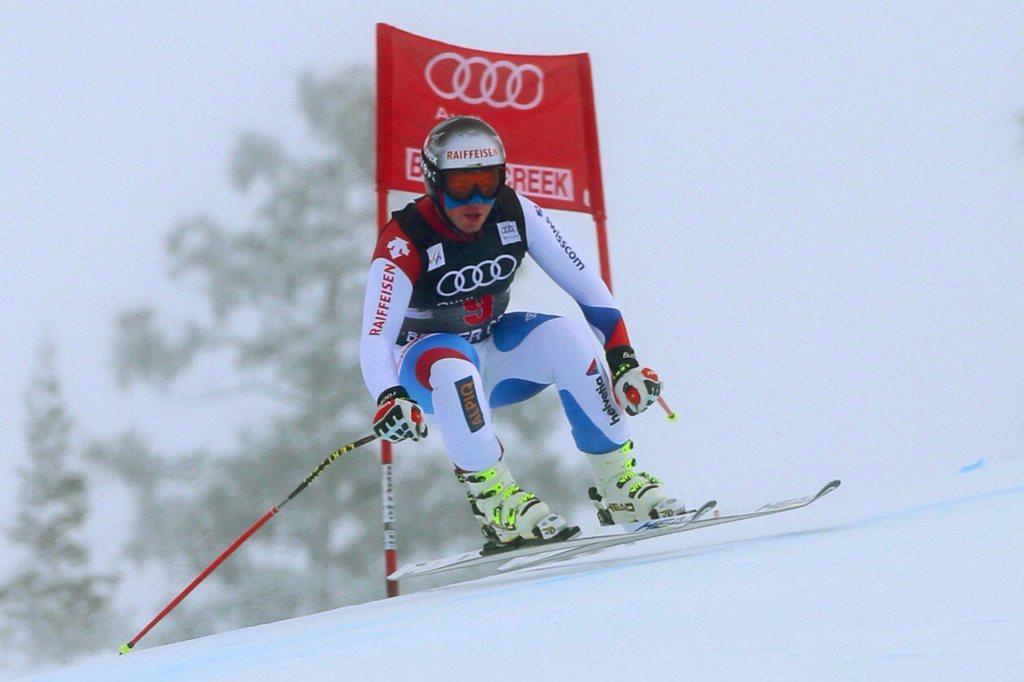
(461, 183)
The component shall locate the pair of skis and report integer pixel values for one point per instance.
(535, 555)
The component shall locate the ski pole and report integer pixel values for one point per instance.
(669, 412)
(128, 646)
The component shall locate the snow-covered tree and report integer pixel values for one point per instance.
(55, 606)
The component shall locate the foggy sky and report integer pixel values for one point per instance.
(815, 211)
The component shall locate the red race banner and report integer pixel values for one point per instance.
(541, 105)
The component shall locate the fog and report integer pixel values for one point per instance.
(815, 213)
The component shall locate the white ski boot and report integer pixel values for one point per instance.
(510, 516)
(624, 495)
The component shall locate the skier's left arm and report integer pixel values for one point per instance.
(636, 387)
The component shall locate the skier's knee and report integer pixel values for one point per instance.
(436, 365)
(426, 356)
(573, 345)
(568, 331)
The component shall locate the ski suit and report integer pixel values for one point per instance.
(435, 322)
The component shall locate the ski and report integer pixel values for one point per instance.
(641, 530)
(476, 557)
(656, 528)
(633, 534)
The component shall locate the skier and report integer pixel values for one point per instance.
(436, 339)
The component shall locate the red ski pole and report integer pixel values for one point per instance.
(129, 645)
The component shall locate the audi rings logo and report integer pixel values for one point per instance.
(472, 277)
(476, 80)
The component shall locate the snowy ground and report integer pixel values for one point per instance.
(931, 590)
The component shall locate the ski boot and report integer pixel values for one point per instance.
(509, 516)
(624, 495)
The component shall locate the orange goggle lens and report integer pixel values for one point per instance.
(460, 183)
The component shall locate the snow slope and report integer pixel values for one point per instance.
(929, 591)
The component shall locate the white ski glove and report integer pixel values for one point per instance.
(636, 388)
(398, 417)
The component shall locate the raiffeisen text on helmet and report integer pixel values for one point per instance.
(488, 154)
(468, 151)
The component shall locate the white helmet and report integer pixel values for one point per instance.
(459, 142)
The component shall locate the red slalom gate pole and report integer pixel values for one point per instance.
(390, 532)
(130, 644)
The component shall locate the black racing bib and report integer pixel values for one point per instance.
(463, 286)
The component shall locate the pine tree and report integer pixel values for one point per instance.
(54, 606)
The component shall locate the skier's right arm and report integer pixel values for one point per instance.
(393, 271)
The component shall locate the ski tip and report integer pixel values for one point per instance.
(703, 510)
(126, 648)
(829, 487)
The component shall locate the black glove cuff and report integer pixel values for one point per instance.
(393, 393)
(621, 359)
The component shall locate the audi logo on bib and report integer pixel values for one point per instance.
(477, 80)
(472, 277)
